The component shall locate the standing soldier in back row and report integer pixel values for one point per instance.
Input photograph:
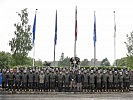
(110, 81)
(126, 81)
(104, 80)
(98, 81)
(25, 80)
(121, 78)
(92, 81)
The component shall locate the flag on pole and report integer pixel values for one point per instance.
(34, 29)
(76, 24)
(94, 34)
(55, 38)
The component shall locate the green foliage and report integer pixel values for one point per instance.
(130, 62)
(105, 62)
(38, 62)
(5, 59)
(129, 45)
(64, 61)
(21, 44)
(121, 62)
(85, 62)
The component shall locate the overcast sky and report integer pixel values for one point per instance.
(45, 27)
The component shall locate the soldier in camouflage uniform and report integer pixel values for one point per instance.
(30, 80)
(17, 79)
(72, 80)
(121, 78)
(98, 81)
(104, 80)
(61, 79)
(47, 81)
(4, 79)
(110, 81)
(25, 80)
(92, 81)
(116, 81)
(85, 81)
(10, 80)
(36, 81)
(126, 81)
(41, 81)
(67, 81)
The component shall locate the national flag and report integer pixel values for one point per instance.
(76, 24)
(34, 29)
(55, 38)
(94, 34)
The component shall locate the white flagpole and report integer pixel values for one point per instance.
(114, 41)
(33, 54)
(34, 42)
(75, 36)
(94, 39)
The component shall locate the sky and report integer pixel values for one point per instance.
(45, 27)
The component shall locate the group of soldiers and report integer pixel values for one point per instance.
(67, 79)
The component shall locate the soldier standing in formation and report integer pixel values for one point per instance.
(66, 79)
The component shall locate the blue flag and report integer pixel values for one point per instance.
(34, 30)
(0, 79)
(55, 38)
(94, 34)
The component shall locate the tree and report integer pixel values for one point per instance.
(64, 61)
(21, 44)
(121, 62)
(105, 62)
(38, 62)
(62, 56)
(5, 59)
(85, 62)
(129, 45)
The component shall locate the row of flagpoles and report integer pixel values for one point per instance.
(75, 40)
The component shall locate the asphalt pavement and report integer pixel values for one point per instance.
(69, 96)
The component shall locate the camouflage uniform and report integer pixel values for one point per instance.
(61, 78)
(99, 80)
(110, 81)
(85, 81)
(104, 80)
(92, 81)
(41, 81)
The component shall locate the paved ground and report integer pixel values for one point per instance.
(68, 96)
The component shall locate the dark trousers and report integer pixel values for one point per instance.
(104, 85)
(30, 85)
(120, 85)
(41, 86)
(67, 88)
(116, 86)
(25, 85)
(36, 85)
(3, 84)
(47, 86)
(110, 85)
(10, 84)
(85, 85)
(52, 85)
(126, 85)
(99, 86)
(92, 86)
(60, 86)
